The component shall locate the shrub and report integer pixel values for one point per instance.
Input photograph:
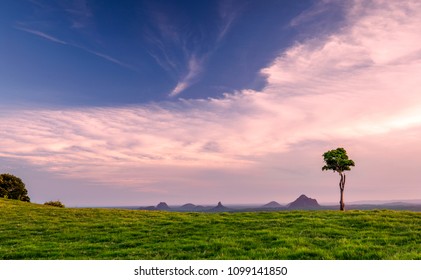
(12, 187)
(55, 203)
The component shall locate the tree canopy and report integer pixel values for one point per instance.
(337, 160)
(12, 187)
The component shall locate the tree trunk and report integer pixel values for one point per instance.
(342, 187)
(342, 208)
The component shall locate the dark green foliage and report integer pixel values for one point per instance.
(30, 231)
(337, 160)
(12, 187)
(55, 204)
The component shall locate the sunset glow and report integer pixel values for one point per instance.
(186, 134)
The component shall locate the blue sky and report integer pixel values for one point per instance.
(128, 52)
(137, 102)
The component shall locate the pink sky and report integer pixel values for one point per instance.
(358, 87)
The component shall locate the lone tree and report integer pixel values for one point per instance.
(12, 187)
(337, 160)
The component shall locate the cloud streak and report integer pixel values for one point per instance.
(358, 86)
(42, 35)
(194, 69)
(59, 41)
(229, 11)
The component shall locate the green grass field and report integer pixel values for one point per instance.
(31, 231)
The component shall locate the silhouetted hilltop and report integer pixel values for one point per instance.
(199, 208)
(272, 204)
(188, 207)
(219, 208)
(163, 206)
(304, 202)
(148, 208)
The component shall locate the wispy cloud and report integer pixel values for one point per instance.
(359, 86)
(76, 13)
(321, 13)
(169, 49)
(42, 35)
(183, 52)
(79, 13)
(229, 11)
(194, 69)
(106, 57)
(59, 41)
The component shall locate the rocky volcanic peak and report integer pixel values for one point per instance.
(162, 206)
(219, 208)
(304, 202)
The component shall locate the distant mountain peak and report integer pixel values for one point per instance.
(219, 208)
(163, 206)
(304, 202)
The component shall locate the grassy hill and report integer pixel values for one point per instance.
(31, 231)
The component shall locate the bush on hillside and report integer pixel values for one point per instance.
(55, 203)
